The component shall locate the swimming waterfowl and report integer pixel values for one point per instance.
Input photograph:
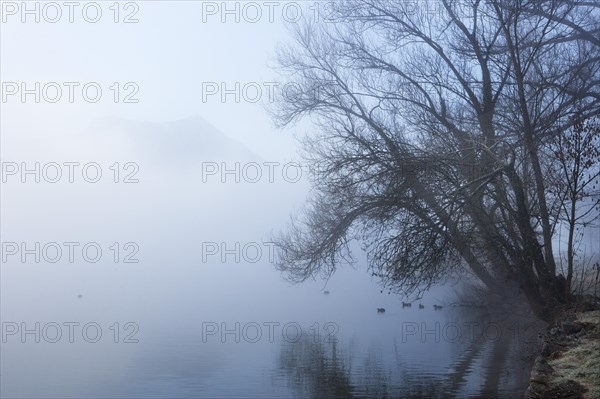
(326, 292)
(436, 307)
(421, 306)
(406, 305)
(380, 310)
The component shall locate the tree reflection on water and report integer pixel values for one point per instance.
(491, 368)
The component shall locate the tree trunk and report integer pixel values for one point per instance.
(570, 254)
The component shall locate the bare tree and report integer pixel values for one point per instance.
(429, 130)
(576, 178)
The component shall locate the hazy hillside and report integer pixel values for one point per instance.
(190, 140)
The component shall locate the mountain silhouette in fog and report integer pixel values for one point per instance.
(188, 141)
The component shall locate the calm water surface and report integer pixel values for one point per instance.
(196, 345)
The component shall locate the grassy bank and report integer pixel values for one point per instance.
(569, 363)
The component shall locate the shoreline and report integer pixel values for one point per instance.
(568, 365)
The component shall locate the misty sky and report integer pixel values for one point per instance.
(169, 54)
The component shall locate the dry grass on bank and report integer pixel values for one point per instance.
(580, 362)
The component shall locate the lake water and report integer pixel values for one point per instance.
(195, 342)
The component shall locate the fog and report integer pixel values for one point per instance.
(181, 188)
(199, 245)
